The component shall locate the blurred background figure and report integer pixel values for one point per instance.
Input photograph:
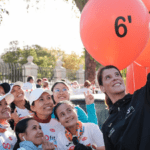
(44, 79)
(75, 88)
(45, 84)
(39, 83)
(29, 84)
(87, 85)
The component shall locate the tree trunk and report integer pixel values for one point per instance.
(90, 64)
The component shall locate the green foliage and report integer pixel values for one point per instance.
(43, 57)
(72, 61)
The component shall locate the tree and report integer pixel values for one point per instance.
(72, 61)
(90, 64)
(42, 56)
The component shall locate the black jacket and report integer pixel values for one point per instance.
(128, 125)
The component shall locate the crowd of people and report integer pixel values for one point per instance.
(40, 117)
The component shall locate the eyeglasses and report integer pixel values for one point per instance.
(58, 90)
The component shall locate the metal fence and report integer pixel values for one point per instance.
(11, 72)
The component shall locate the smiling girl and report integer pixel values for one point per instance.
(77, 135)
(7, 136)
(42, 105)
(30, 136)
(61, 91)
(20, 108)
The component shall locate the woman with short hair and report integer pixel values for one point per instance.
(128, 125)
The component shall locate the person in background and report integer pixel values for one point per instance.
(20, 107)
(75, 88)
(42, 105)
(45, 84)
(30, 135)
(61, 92)
(87, 85)
(29, 84)
(7, 135)
(44, 79)
(4, 88)
(39, 83)
(77, 135)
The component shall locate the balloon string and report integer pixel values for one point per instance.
(133, 77)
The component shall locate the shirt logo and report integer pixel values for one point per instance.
(84, 138)
(111, 132)
(130, 112)
(72, 148)
(52, 130)
(10, 138)
(6, 146)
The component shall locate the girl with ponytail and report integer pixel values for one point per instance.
(77, 135)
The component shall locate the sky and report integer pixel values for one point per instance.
(54, 24)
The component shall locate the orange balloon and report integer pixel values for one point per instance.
(114, 31)
(147, 4)
(144, 58)
(136, 77)
(129, 80)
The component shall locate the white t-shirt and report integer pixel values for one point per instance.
(29, 86)
(51, 130)
(8, 139)
(22, 113)
(91, 136)
(76, 91)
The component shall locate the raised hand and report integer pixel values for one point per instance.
(89, 98)
(46, 145)
(15, 116)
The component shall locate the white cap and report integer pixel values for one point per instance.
(8, 97)
(19, 83)
(35, 94)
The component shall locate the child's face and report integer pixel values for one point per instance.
(67, 115)
(43, 106)
(34, 133)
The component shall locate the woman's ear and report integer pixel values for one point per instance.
(22, 136)
(32, 108)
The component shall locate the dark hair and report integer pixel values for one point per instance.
(87, 83)
(13, 106)
(52, 88)
(60, 103)
(39, 80)
(29, 78)
(108, 101)
(21, 128)
(6, 87)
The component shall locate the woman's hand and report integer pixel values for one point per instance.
(15, 116)
(46, 145)
(89, 98)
